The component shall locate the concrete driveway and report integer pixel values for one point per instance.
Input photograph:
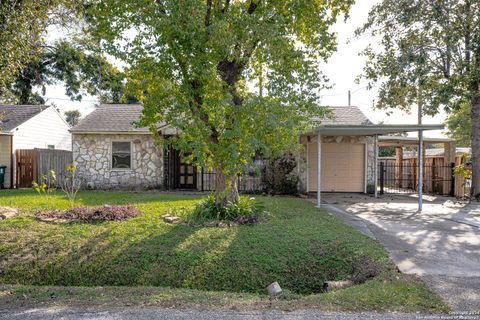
(440, 244)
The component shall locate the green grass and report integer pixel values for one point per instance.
(299, 246)
(403, 294)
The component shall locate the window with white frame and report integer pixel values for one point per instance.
(121, 155)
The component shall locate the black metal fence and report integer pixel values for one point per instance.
(402, 178)
(247, 183)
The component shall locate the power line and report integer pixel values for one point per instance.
(66, 99)
(343, 93)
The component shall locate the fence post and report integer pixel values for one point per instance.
(452, 183)
(382, 177)
(202, 179)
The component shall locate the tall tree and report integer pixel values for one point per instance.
(80, 69)
(194, 64)
(459, 125)
(429, 54)
(23, 24)
(72, 117)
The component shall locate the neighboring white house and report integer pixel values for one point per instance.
(30, 127)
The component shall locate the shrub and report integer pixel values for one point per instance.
(279, 176)
(46, 187)
(71, 183)
(103, 213)
(246, 211)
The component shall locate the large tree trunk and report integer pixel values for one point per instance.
(226, 188)
(475, 115)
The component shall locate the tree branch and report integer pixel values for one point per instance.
(209, 13)
(196, 107)
(253, 5)
(225, 7)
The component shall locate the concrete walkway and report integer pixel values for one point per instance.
(440, 244)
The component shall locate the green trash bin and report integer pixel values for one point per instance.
(2, 176)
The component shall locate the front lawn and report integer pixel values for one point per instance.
(300, 246)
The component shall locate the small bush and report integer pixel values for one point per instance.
(103, 213)
(280, 177)
(246, 211)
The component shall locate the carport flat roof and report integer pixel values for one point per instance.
(374, 129)
(402, 141)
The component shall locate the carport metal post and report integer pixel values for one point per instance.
(319, 170)
(420, 158)
(420, 170)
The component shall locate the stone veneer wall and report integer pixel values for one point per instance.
(92, 154)
(302, 159)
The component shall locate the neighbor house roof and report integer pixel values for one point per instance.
(404, 141)
(112, 118)
(436, 152)
(11, 116)
(346, 115)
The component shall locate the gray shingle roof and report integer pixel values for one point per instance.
(121, 118)
(11, 116)
(112, 118)
(343, 115)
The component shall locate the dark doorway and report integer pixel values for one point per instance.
(187, 175)
(180, 174)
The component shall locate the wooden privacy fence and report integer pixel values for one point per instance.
(31, 165)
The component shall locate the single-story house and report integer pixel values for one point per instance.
(29, 127)
(110, 152)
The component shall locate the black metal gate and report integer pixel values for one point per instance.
(402, 178)
(248, 183)
(181, 175)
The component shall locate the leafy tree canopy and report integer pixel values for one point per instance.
(72, 117)
(81, 70)
(23, 24)
(430, 55)
(195, 64)
(431, 45)
(459, 125)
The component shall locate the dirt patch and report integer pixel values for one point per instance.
(7, 212)
(89, 214)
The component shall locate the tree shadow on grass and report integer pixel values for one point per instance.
(29, 201)
(299, 247)
(104, 256)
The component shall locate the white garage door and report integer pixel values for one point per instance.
(343, 167)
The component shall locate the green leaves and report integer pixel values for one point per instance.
(195, 64)
(46, 187)
(81, 69)
(23, 25)
(427, 45)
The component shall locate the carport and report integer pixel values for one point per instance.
(369, 130)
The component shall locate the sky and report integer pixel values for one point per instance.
(342, 69)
